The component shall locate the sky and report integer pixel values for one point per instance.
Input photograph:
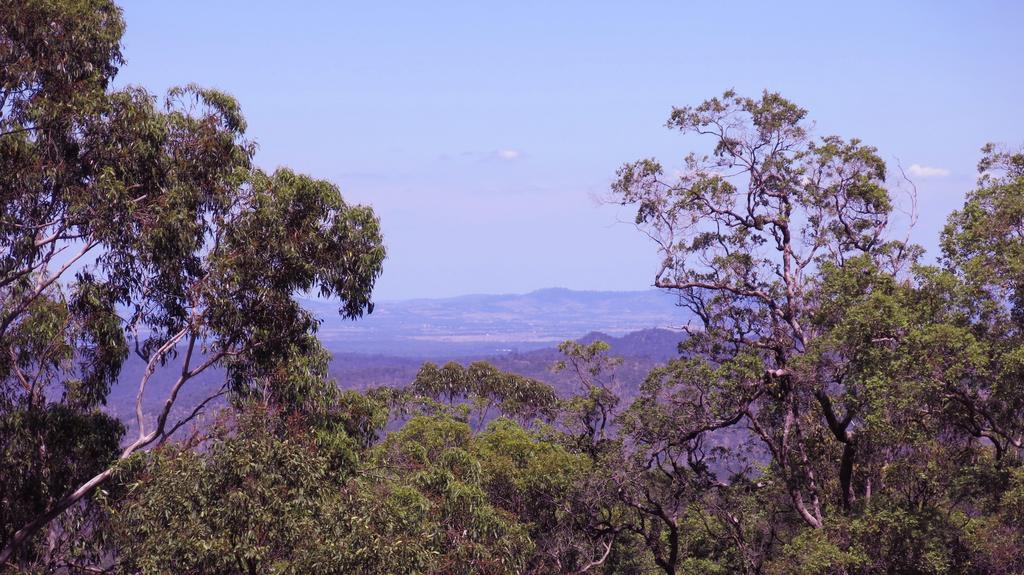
(486, 134)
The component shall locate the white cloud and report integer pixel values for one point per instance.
(508, 155)
(920, 171)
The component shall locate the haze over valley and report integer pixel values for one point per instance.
(518, 333)
(494, 324)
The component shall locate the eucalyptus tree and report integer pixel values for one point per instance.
(273, 494)
(983, 247)
(589, 415)
(859, 373)
(479, 391)
(544, 459)
(743, 234)
(132, 224)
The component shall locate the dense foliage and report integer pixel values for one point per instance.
(837, 406)
(132, 225)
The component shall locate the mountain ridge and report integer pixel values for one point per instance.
(482, 324)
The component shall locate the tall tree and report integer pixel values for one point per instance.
(132, 225)
(743, 234)
(983, 247)
(273, 494)
(883, 394)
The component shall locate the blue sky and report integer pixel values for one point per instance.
(483, 132)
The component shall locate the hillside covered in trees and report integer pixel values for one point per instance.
(839, 404)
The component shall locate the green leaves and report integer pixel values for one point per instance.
(478, 388)
(183, 250)
(47, 451)
(862, 374)
(983, 240)
(57, 55)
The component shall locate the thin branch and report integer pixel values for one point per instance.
(21, 307)
(595, 563)
(151, 368)
(191, 416)
(89, 486)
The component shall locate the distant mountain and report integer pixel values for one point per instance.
(657, 344)
(518, 333)
(494, 324)
(640, 352)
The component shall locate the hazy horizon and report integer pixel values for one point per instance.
(504, 294)
(482, 133)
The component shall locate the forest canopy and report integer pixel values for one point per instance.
(840, 404)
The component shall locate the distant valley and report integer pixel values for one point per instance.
(640, 351)
(494, 324)
(518, 333)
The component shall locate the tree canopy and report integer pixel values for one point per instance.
(838, 405)
(858, 372)
(132, 224)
